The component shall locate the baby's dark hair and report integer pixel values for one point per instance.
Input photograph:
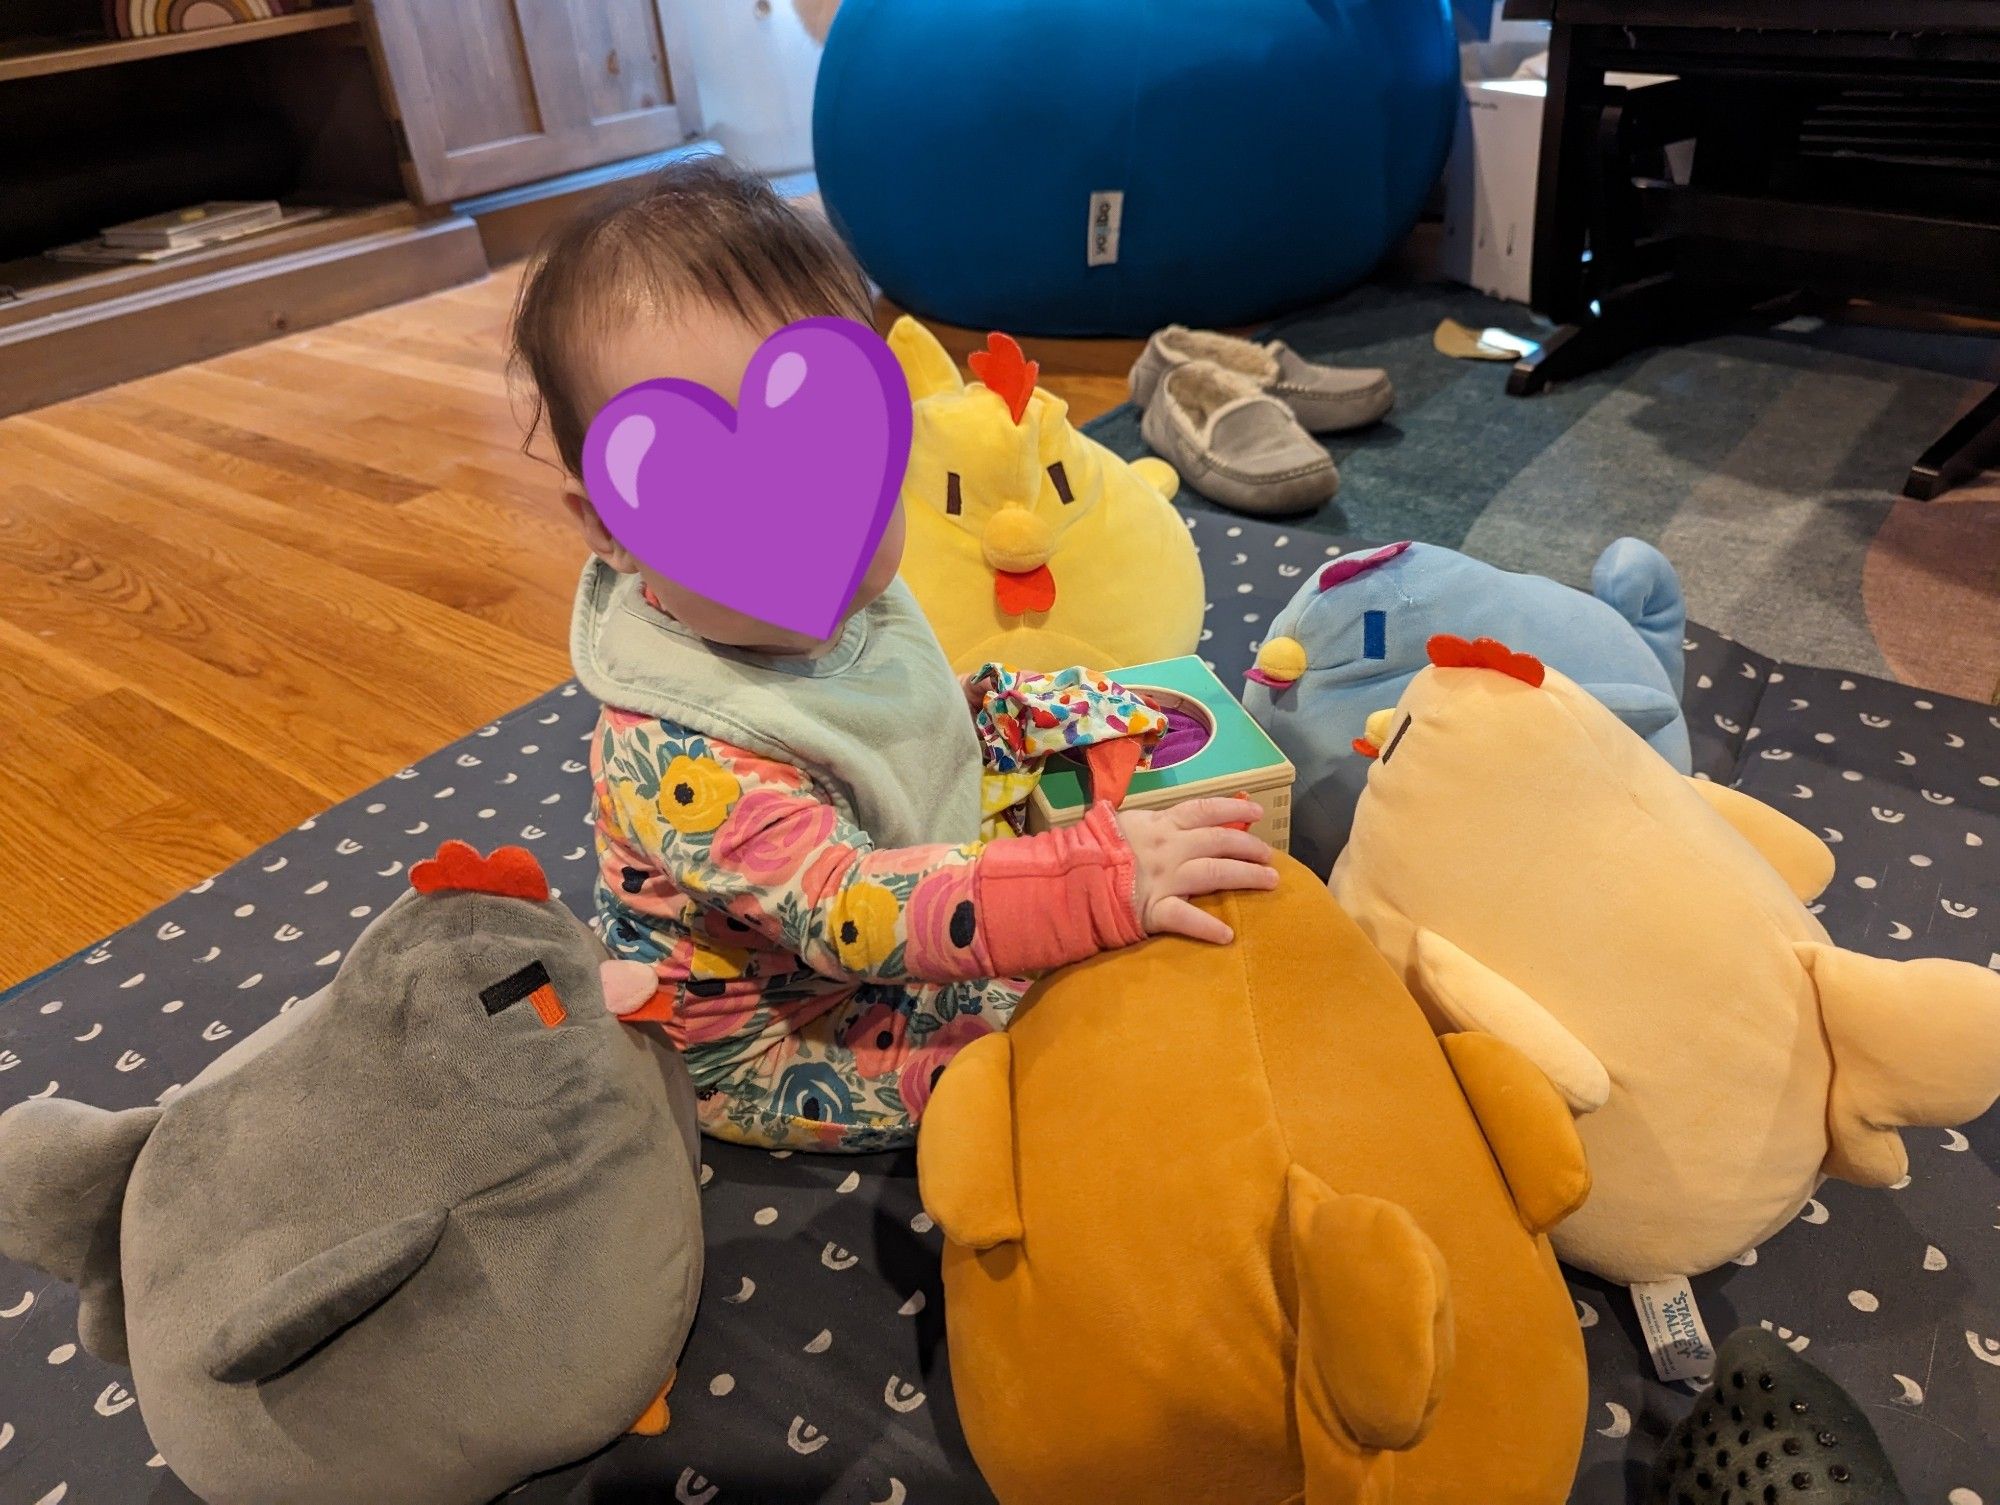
(696, 229)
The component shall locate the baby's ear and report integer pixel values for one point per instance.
(602, 544)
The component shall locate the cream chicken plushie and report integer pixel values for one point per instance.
(1537, 872)
(1030, 543)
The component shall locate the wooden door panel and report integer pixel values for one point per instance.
(483, 47)
(495, 93)
(623, 56)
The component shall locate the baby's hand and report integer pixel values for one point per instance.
(1190, 850)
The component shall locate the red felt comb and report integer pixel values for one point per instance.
(1006, 372)
(1448, 652)
(510, 873)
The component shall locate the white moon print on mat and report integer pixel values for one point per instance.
(804, 1437)
(1620, 1423)
(1796, 1342)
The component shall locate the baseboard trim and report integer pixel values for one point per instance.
(76, 350)
(512, 221)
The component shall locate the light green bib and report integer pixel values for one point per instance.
(878, 721)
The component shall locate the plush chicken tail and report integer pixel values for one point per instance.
(1913, 1043)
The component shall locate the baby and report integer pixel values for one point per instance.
(787, 828)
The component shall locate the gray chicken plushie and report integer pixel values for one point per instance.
(434, 1229)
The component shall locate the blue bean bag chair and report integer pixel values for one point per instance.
(1356, 634)
(1268, 152)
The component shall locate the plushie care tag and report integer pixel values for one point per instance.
(1672, 1325)
(773, 508)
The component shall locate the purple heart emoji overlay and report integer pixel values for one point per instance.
(774, 508)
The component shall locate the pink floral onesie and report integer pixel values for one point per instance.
(816, 984)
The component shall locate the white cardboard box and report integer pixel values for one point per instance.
(1489, 206)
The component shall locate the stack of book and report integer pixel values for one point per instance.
(159, 237)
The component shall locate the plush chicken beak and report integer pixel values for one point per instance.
(1369, 743)
(1017, 544)
(1279, 664)
(627, 985)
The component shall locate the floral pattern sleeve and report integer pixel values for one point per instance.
(756, 841)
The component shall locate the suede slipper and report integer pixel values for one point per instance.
(1325, 399)
(1236, 443)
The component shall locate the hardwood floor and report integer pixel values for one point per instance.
(239, 591)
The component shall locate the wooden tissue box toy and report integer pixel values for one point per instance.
(1211, 746)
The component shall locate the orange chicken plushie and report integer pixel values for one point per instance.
(1031, 544)
(1224, 1223)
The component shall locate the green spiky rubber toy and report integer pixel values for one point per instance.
(1772, 1430)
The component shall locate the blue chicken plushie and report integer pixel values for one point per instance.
(1354, 636)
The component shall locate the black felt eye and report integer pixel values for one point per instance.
(1059, 478)
(1389, 751)
(954, 495)
(512, 988)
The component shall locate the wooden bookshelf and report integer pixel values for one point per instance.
(36, 59)
(389, 112)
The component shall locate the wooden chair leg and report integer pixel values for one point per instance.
(1645, 313)
(1959, 454)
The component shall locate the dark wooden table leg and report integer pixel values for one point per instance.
(1652, 312)
(1959, 454)
(1563, 177)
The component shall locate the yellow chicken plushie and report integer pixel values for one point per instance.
(1031, 544)
(1533, 869)
(1226, 1226)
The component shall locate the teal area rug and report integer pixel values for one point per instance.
(1766, 463)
